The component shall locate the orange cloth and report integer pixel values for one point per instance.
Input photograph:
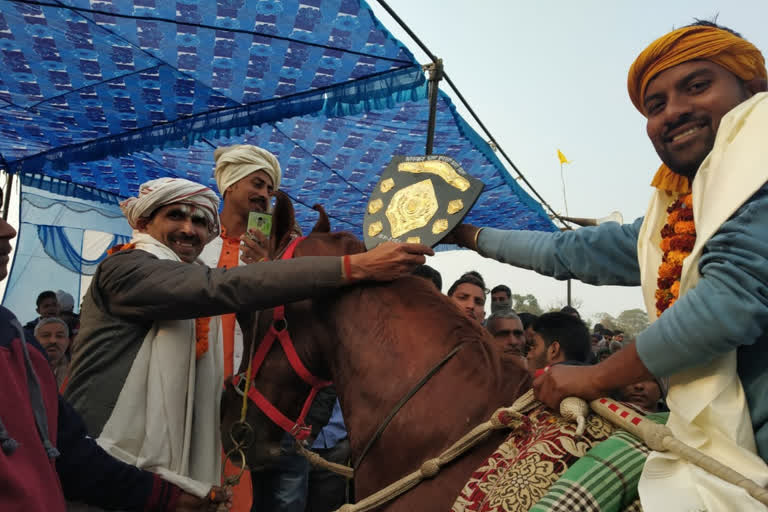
(242, 493)
(735, 54)
(229, 258)
(669, 180)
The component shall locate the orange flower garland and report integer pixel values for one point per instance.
(202, 325)
(202, 328)
(677, 239)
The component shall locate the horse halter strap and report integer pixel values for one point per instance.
(278, 330)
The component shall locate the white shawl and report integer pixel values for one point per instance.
(166, 418)
(708, 409)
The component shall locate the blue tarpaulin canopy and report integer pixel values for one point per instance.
(97, 97)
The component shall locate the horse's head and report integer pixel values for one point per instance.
(277, 380)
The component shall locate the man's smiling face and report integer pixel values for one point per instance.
(684, 105)
(252, 193)
(181, 227)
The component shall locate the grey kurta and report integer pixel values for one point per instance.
(131, 289)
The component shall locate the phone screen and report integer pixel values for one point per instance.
(260, 222)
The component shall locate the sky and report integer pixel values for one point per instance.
(553, 74)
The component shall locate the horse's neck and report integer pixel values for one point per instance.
(373, 370)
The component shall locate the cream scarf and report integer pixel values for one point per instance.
(708, 409)
(166, 419)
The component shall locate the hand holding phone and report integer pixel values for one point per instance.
(261, 222)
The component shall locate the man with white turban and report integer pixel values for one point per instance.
(701, 257)
(146, 373)
(247, 177)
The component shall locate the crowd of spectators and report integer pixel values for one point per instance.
(557, 337)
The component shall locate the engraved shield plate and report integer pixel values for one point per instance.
(419, 199)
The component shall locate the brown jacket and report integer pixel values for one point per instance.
(131, 289)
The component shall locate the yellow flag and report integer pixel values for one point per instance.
(561, 157)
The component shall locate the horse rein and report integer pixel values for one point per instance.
(399, 405)
(241, 433)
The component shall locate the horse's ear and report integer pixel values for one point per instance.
(283, 220)
(323, 225)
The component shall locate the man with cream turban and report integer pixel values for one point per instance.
(701, 256)
(247, 177)
(146, 373)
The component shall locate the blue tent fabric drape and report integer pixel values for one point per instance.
(56, 218)
(57, 245)
(97, 97)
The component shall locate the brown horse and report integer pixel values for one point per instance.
(376, 341)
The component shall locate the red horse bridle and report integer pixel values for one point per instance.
(278, 330)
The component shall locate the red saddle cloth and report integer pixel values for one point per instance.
(537, 452)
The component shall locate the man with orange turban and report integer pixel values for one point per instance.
(701, 256)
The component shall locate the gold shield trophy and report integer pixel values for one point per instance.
(419, 199)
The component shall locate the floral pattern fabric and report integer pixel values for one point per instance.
(541, 446)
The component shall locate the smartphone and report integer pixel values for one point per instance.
(260, 222)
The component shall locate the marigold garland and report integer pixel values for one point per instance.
(202, 329)
(678, 237)
(202, 325)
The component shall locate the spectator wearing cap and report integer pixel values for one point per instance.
(67, 313)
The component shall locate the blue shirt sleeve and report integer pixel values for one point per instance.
(604, 254)
(729, 305)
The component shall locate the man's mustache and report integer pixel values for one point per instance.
(683, 119)
(261, 201)
(185, 238)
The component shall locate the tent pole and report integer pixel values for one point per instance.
(435, 75)
(7, 198)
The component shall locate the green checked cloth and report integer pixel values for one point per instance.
(605, 479)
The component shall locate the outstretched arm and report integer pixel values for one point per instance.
(605, 254)
(137, 285)
(727, 309)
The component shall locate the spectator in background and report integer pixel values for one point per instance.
(570, 310)
(66, 312)
(53, 334)
(328, 491)
(47, 306)
(430, 273)
(602, 354)
(507, 329)
(468, 292)
(528, 320)
(646, 394)
(558, 338)
(501, 298)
